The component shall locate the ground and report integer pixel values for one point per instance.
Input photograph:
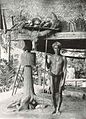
(72, 108)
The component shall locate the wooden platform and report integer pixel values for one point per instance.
(68, 35)
(71, 40)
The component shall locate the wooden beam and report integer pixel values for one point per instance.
(68, 35)
(78, 80)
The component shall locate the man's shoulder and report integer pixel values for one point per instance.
(64, 57)
(52, 56)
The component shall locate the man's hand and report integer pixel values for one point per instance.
(48, 62)
(46, 57)
(62, 85)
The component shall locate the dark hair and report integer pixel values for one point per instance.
(57, 44)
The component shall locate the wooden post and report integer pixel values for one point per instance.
(0, 51)
(28, 61)
(39, 76)
(9, 45)
(75, 83)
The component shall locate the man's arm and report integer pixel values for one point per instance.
(64, 71)
(48, 63)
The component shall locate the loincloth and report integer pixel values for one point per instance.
(56, 83)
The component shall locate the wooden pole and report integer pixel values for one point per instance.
(45, 63)
(44, 70)
(9, 49)
(9, 45)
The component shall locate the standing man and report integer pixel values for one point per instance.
(57, 65)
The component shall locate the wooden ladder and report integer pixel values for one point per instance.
(17, 80)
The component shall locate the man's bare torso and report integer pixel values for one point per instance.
(56, 64)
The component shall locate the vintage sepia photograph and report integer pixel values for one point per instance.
(42, 59)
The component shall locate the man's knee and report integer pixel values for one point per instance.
(59, 94)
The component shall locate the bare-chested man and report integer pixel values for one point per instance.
(57, 65)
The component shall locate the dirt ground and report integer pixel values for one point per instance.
(72, 108)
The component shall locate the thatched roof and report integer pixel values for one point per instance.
(72, 13)
(65, 9)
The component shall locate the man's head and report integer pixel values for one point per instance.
(57, 47)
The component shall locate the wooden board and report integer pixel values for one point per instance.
(74, 53)
(68, 35)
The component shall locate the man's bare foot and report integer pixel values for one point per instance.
(58, 112)
(54, 112)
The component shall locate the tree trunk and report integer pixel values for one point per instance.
(27, 61)
(28, 82)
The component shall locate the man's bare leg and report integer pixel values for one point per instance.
(59, 102)
(54, 103)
